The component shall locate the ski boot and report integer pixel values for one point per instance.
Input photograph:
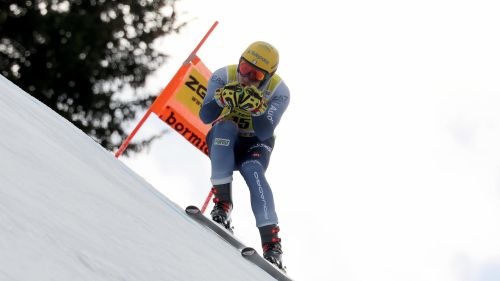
(271, 245)
(221, 213)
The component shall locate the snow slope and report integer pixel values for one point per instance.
(70, 211)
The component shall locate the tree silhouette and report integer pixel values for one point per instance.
(76, 56)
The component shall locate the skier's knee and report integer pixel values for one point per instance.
(249, 168)
(222, 137)
(226, 126)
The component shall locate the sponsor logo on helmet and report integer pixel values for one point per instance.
(258, 57)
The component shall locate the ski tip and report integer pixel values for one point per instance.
(248, 251)
(192, 210)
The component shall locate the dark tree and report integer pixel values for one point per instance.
(77, 56)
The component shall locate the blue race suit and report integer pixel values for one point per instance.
(240, 141)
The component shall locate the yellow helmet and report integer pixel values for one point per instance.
(263, 55)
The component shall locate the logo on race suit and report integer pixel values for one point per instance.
(270, 113)
(223, 142)
(261, 145)
(261, 195)
(267, 94)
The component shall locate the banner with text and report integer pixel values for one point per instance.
(179, 103)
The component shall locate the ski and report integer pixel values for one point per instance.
(196, 214)
(248, 253)
(254, 257)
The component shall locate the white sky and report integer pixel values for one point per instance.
(387, 161)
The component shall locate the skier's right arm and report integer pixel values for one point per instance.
(210, 110)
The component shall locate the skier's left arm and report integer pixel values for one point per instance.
(265, 123)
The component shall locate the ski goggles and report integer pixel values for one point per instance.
(247, 69)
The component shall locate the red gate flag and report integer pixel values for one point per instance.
(180, 102)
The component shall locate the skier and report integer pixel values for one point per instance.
(244, 103)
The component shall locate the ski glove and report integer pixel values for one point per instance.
(252, 100)
(227, 96)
